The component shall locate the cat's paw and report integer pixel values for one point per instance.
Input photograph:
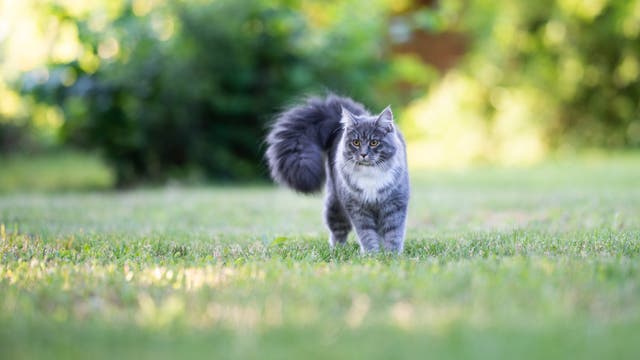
(335, 241)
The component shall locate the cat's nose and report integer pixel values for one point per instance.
(364, 156)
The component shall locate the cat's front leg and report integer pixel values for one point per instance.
(393, 217)
(369, 239)
(393, 239)
(365, 226)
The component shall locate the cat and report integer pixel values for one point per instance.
(364, 155)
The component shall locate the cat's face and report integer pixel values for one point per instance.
(369, 140)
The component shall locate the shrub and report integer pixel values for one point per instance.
(538, 76)
(188, 88)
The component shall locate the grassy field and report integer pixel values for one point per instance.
(63, 170)
(533, 263)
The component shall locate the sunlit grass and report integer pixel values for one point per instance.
(58, 171)
(499, 263)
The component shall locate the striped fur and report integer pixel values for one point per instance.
(367, 188)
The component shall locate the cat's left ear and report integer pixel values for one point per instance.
(385, 119)
(348, 119)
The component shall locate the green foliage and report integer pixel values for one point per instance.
(188, 88)
(537, 263)
(579, 59)
(12, 136)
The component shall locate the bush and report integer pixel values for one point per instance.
(188, 88)
(581, 56)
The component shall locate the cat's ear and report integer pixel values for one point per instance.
(348, 119)
(385, 119)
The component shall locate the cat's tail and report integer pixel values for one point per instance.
(300, 138)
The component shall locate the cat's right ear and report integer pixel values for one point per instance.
(348, 119)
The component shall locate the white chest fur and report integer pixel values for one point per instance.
(370, 180)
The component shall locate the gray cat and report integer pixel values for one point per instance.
(365, 157)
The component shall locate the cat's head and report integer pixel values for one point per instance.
(369, 140)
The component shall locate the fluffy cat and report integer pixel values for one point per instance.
(367, 187)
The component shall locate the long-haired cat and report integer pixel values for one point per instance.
(364, 155)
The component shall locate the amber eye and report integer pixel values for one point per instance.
(374, 143)
(356, 143)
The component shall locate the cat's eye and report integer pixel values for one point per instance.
(356, 143)
(374, 143)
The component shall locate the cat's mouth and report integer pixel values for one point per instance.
(364, 163)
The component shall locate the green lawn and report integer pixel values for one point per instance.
(533, 263)
(62, 170)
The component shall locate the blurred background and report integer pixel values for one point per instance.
(115, 93)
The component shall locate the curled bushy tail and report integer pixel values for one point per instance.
(300, 137)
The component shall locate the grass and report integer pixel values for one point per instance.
(62, 170)
(530, 263)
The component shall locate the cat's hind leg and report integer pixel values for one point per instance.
(336, 220)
